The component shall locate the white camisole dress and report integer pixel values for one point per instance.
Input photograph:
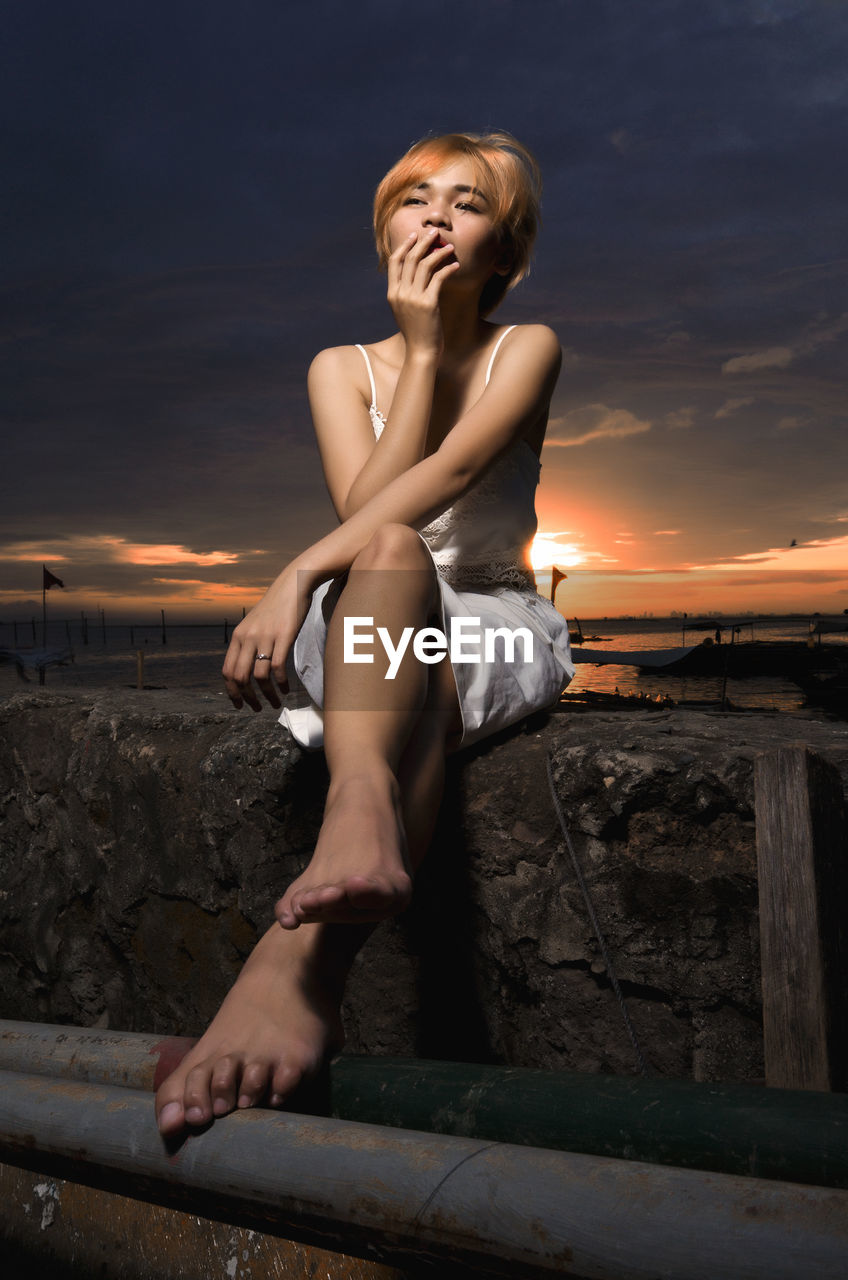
(479, 547)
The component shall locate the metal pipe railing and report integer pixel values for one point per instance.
(792, 1135)
(403, 1193)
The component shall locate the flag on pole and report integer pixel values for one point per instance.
(557, 577)
(50, 580)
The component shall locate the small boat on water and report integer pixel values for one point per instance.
(576, 635)
(820, 670)
(788, 658)
(760, 658)
(633, 657)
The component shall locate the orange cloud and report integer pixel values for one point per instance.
(816, 555)
(593, 422)
(163, 553)
(24, 552)
(196, 589)
(110, 548)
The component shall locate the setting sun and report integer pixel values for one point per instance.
(545, 551)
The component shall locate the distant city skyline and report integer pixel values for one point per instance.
(187, 223)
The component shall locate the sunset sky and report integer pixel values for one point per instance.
(185, 222)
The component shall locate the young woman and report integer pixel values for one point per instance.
(430, 443)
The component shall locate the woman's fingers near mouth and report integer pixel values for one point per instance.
(440, 246)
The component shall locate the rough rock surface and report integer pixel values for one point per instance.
(146, 837)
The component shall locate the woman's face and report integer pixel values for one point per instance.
(450, 201)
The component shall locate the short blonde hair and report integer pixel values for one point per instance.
(503, 168)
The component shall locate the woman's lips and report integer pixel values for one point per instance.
(438, 243)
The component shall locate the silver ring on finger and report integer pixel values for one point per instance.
(262, 657)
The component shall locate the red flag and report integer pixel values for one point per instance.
(557, 577)
(50, 579)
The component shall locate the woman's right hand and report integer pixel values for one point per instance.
(416, 273)
(260, 644)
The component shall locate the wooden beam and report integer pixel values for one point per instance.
(802, 861)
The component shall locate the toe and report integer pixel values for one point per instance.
(197, 1099)
(285, 915)
(253, 1084)
(170, 1117)
(285, 1080)
(223, 1085)
(313, 901)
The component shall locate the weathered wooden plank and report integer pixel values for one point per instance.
(802, 858)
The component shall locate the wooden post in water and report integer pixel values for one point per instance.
(139, 669)
(164, 633)
(802, 863)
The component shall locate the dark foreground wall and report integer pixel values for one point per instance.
(146, 837)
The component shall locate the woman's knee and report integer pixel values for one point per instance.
(394, 546)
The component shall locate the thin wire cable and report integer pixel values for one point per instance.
(584, 889)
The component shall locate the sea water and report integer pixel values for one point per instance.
(190, 656)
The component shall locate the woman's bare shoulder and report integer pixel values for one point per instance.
(540, 337)
(334, 360)
(348, 361)
(533, 346)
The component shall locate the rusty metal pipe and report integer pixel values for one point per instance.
(791, 1135)
(438, 1196)
(126, 1058)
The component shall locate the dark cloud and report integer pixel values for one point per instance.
(186, 212)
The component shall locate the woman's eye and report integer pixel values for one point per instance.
(472, 208)
(413, 200)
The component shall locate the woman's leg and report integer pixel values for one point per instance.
(360, 870)
(281, 1018)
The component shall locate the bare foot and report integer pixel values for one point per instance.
(359, 870)
(275, 1027)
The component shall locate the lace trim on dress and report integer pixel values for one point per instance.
(488, 576)
(377, 421)
(487, 489)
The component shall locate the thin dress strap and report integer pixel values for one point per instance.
(495, 352)
(359, 347)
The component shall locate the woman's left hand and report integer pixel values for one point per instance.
(260, 644)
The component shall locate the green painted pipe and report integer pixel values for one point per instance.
(782, 1134)
(791, 1135)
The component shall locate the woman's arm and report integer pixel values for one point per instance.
(518, 394)
(355, 466)
(357, 469)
